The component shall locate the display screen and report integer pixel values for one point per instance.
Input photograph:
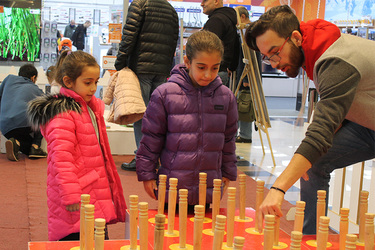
(19, 31)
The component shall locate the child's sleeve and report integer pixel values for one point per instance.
(229, 168)
(154, 129)
(61, 166)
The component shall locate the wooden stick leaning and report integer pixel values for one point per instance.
(363, 208)
(320, 207)
(258, 200)
(85, 200)
(161, 193)
(277, 232)
(344, 226)
(143, 225)
(159, 231)
(242, 199)
(300, 214)
(296, 240)
(351, 242)
(219, 232)
(182, 214)
(172, 197)
(216, 195)
(231, 209)
(369, 231)
(133, 220)
(99, 233)
(198, 226)
(89, 226)
(322, 235)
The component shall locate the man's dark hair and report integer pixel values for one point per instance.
(28, 70)
(280, 19)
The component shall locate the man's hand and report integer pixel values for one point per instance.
(270, 205)
(150, 186)
(225, 182)
(72, 207)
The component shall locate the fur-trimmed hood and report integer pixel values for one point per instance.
(43, 108)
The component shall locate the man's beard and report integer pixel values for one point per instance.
(296, 60)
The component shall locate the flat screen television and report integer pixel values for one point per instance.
(20, 30)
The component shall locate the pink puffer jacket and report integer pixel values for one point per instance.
(77, 163)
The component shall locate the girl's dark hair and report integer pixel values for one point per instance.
(280, 19)
(71, 64)
(203, 41)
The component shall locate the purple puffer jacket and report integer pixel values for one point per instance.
(191, 130)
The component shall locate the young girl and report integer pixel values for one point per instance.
(190, 123)
(79, 156)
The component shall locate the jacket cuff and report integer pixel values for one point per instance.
(309, 152)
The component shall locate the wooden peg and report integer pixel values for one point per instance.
(219, 232)
(320, 207)
(258, 201)
(198, 225)
(238, 243)
(133, 220)
(161, 193)
(369, 231)
(99, 233)
(159, 231)
(182, 214)
(231, 209)
(344, 226)
(322, 236)
(202, 188)
(351, 242)
(216, 196)
(172, 203)
(143, 225)
(296, 240)
(300, 214)
(277, 232)
(363, 208)
(85, 200)
(89, 226)
(269, 231)
(242, 199)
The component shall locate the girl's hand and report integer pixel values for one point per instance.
(72, 207)
(150, 186)
(225, 182)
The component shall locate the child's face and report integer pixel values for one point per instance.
(203, 68)
(86, 84)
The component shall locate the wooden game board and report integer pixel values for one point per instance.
(241, 228)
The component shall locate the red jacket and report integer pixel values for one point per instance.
(77, 162)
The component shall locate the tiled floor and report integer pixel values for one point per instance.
(284, 137)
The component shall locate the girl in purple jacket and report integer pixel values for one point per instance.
(190, 124)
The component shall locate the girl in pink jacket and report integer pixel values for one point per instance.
(79, 156)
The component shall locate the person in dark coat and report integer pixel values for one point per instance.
(69, 29)
(79, 35)
(222, 21)
(147, 47)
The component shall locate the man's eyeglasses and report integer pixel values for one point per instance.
(275, 58)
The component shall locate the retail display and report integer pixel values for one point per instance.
(19, 34)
